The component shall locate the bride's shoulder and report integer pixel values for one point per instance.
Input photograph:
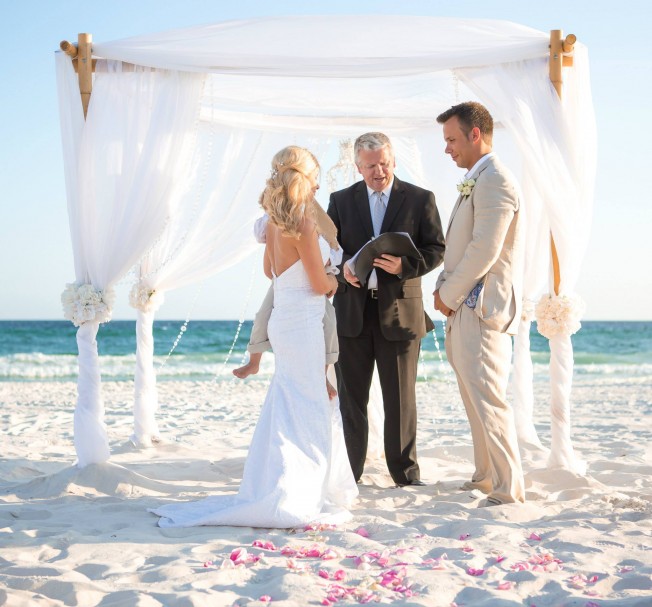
(308, 227)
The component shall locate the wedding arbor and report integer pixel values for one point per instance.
(169, 143)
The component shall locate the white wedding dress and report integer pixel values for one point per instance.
(297, 470)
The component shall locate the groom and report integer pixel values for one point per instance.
(383, 321)
(480, 292)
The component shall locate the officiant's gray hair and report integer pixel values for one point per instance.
(371, 141)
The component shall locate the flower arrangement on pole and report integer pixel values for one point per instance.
(84, 303)
(145, 298)
(559, 315)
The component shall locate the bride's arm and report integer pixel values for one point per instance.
(310, 255)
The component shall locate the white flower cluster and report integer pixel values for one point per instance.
(559, 315)
(466, 187)
(145, 299)
(84, 303)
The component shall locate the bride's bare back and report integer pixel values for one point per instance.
(282, 252)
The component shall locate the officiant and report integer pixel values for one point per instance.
(380, 317)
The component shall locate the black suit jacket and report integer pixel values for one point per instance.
(410, 209)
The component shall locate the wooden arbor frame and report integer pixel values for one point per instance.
(561, 55)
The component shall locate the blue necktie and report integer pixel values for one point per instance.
(379, 213)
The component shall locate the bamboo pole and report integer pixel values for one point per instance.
(85, 68)
(560, 56)
(68, 48)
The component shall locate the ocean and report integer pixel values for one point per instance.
(33, 351)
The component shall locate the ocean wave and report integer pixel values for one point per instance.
(203, 366)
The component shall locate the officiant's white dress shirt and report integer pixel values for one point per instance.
(372, 283)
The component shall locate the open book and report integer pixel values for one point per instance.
(398, 244)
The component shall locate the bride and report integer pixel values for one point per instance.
(297, 470)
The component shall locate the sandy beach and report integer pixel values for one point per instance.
(84, 537)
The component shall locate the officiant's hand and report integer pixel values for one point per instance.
(441, 306)
(350, 277)
(389, 263)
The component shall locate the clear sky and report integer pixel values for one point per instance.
(36, 256)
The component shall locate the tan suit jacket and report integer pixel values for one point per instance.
(483, 245)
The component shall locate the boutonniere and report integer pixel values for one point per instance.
(465, 187)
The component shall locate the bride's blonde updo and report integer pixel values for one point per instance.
(288, 194)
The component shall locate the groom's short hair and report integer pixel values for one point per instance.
(371, 141)
(471, 114)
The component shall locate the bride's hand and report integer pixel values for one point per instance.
(333, 282)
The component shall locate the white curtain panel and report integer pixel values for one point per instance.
(120, 167)
(317, 81)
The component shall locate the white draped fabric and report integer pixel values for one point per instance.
(119, 169)
(315, 81)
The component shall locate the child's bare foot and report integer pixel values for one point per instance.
(251, 368)
(332, 392)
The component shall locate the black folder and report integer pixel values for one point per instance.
(399, 244)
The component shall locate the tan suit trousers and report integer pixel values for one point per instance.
(481, 360)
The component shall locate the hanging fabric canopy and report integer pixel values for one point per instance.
(167, 168)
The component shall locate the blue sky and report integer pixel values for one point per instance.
(36, 257)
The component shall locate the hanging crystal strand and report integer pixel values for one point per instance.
(220, 372)
(456, 86)
(422, 361)
(446, 371)
(342, 173)
(183, 328)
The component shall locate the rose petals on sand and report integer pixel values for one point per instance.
(534, 537)
(438, 564)
(465, 536)
(265, 598)
(362, 532)
(475, 572)
(264, 545)
(240, 556)
(506, 585)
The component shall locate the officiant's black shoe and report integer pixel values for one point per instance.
(412, 483)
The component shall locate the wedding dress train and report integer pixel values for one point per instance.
(297, 470)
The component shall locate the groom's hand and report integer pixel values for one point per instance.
(441, 306)
(389, 263)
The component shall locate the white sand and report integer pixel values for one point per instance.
(84, 537)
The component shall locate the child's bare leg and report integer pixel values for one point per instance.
(332, 392)
(251, 368)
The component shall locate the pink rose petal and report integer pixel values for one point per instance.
(323, 573)
(475, 572)
(465, 536)
(362, 532)
(505, 586)
(265, 598)
(534, 536)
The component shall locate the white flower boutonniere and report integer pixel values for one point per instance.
(466, 187)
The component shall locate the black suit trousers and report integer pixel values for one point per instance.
(397, 369)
